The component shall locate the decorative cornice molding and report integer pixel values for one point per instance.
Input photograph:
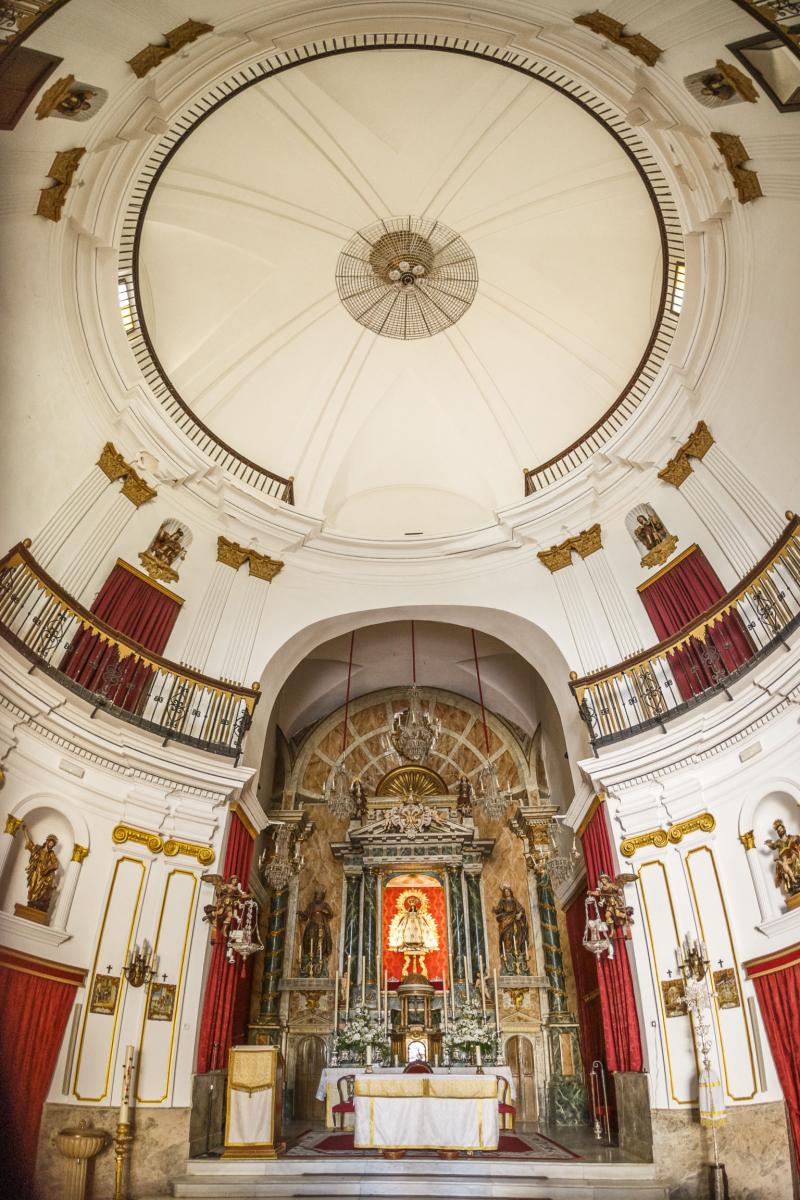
(592, 809)
(701, 823)
(635, 43)
(114, 467)
(51, 199)
(176, 39)
(745, 180)
(260, 566)
(584, 543)
(156, 844)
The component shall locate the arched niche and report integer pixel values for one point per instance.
(782, 803)
(42, 815)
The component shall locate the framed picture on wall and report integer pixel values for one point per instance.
(104, 994)
(674, 995)
(726, 988)
(161, 1002)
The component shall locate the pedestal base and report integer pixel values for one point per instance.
(42, 918)
(793, 901)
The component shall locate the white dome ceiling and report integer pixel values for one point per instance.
(237, 269)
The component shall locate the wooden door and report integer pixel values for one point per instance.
(519, 1056)
(310, 1063)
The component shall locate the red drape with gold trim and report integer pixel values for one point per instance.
(778, 994)
(435, 960)
(36, 998)
(223, 983)
(676, 598)
(136, 608)
(621, 1036)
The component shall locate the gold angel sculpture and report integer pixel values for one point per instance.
(413, 932)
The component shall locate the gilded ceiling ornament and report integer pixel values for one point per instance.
(70, 99)
(677, 470)
(408, 780)
(176, 39)
(745, 180)
(742, 84)
(51, 199)
(635, 43)
(406, 277)
(557, 557)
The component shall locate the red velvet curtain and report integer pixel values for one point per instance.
(677, 597)
(220, 1003)
(133, 606)
(617, 1002)
(778, 993)
(34, 1007)
(584, 966)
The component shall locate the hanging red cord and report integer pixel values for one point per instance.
(413, 655)
(480, 692)
(347, 694)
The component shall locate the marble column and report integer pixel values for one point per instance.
(352, 914)
(273, 961)
(551, 945)
(68, 516)
(458, 938)
(477, 945)
(369, 925)
(207, 619)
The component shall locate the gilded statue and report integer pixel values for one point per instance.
(650, 530)
(413, 932)
(316, 943)
(41, 870)
(787, 861)
(167, 545)
(610, 896)
(229, 897)
(512, 931)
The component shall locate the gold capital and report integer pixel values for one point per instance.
(12, 824)
(587, 542)
(230, 553)
(557, 557)
(699, 442)
(79, 853)
(677, 470)
(264, 567)
(748, 840)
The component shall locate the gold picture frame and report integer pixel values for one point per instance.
(726, 988)
(105, 991)
(161, 1002)
(673, 993)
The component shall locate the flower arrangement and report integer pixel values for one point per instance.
(361, 1031)
(469, 1030)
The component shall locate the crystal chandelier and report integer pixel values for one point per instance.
(339, 784)
(285, 861)
(414, 731)
(489, 794)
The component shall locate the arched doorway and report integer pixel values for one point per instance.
(519, 1056)
(311, 1060)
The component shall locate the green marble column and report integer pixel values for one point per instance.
(551, 943)
(475, 916)
(269, 1013)
(352, 905)
(369, 929)
(458, 937)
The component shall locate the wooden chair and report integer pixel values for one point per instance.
(346, 1087)
(417, 1068)
(507, 1111)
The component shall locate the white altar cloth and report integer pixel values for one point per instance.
(426, 1112)
(329, 1092)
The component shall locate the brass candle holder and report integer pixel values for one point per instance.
(122, 1142)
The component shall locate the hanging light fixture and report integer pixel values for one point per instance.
(339, 784)
(488, 793)
(414, 731)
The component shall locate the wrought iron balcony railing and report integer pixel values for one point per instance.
(113, 672)
(645, 691)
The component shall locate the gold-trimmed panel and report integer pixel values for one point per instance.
(171, 847)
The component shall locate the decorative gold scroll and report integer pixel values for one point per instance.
(703, 822)
(635, 43)
(587, 542)
(261, 566)
(745, 180)
(114, 467)
(156, 844)
(51, 199)
(176, 39)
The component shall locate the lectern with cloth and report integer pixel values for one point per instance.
(254, 1098)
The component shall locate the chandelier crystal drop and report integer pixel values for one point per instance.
(339, 791)
(489, 795)
(414, 731)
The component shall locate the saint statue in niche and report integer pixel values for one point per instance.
(41, 871)
(653, 539)
(787, 863)
(166, 549)
(512, 932)
(413, 932)
(316, 942)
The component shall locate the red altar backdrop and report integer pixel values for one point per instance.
(140, 609)
(36, 998)
(586, 985)
(675, 597)
(776, 979)
(435, 960)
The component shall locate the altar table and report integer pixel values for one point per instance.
(426, 1112)
(329, 1092)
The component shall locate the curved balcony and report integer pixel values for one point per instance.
(649, 689)
(45, 625)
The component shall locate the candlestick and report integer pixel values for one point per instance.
(445, 1008)
(386, 1000)
(363, 980)
(466, 978)
(336, 1006)
(122, 1142)
(496, 1002)
(127, 1074)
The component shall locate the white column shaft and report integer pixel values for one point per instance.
(6, 845)
(96, 545)
(587, 641)
(55, 532)
(613, 604)
(722, 526)
(66, 895)
(765, 517)
(240, 646)
(209, 614)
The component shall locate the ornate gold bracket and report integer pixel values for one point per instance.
(697, 445)
(51, 199)
(745, 180)
(635, 43)
(114, 467)
(260, 566)
(156, 844)
(176, 39)
(702, 823)
(584, 543)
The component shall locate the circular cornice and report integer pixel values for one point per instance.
(223, 90)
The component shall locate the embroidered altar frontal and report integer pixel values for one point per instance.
(426, 1112)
